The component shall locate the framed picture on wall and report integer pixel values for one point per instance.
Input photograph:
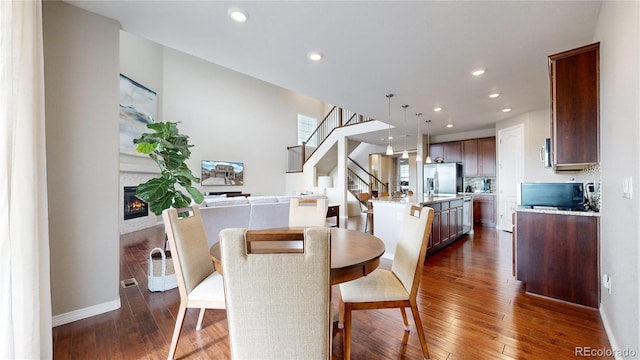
(222, 173)
(138, 106)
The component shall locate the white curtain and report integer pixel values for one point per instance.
(25, 294)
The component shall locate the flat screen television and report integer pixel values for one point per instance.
(222, 173)
(566, 196)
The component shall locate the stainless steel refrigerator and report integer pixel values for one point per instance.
(442, 178)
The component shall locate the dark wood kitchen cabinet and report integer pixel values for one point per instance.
(575, 120)
(436, 151)
(448, 217)
(449, 151)
(484, 209)
(479, 157)
(557, 255)
(470, 158)
(487, 157)
(453, 151)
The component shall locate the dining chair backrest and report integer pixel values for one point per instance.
(307, 212)
(189, 248)
(411, 248)
(278, 302)
(199, 286)
(364, 198)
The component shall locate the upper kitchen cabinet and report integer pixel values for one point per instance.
(470, 158)
(479, 157)
(449, 151)
(436, 151)
(453, 151)
(575, 120)
(487, 156)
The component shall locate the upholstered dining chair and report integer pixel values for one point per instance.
(278, 301)
(366, 208)
(395, 288)
(307, 212)
(198, 284)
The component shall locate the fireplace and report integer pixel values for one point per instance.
(133, 207)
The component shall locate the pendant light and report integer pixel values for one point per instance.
(428, 160)
(405, 153)
(389, 148)
(418, 157)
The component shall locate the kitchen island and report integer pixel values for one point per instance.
(449, 220)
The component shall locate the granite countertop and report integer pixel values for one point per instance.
(441, 198)
(558, 212)
(395, 200)
(477, 193)
(426, 199)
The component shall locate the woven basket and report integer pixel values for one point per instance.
(162, 275)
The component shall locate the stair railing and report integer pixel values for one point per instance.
(375, 184)
(337, 117)
(355, 184)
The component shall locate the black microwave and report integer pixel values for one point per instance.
(564, 196)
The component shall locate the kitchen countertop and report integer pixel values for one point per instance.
(426, 200)
(440, 198)
(477, 193)
(558, 212)
(394, 200)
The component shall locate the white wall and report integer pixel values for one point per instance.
(233, 117)
(140, 60)
(618, 32)
(537, 127)
(466, 135)
(81, 89)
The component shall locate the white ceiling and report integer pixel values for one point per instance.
(422, 51)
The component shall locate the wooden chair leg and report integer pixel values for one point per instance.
(347, 332)
(200, 317)
(341, 314)
(416, 319)
(176, 330)
(407, 328)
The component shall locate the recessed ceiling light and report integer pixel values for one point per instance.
(494, 95)
(449, 125)
(477, 72)
(506, 109)
(238, 15)
(437, 109)
(315, 56)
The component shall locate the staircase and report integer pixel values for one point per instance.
(336, 118)
(306, 160)
(356, 185)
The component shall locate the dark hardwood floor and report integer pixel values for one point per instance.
(471, 307)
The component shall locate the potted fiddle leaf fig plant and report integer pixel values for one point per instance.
(169, 149)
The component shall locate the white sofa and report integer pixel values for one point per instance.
(253, 212)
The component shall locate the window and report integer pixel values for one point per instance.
(404, 174)
(306, 126)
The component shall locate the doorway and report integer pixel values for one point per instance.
(510, 172)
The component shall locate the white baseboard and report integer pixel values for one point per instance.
(608, 330)
(85, 313)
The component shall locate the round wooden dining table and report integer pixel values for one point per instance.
(354, 254)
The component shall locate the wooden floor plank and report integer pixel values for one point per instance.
(470, 304)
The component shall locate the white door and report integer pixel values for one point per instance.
(510, 172)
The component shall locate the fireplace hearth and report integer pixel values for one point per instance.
(134, 207)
